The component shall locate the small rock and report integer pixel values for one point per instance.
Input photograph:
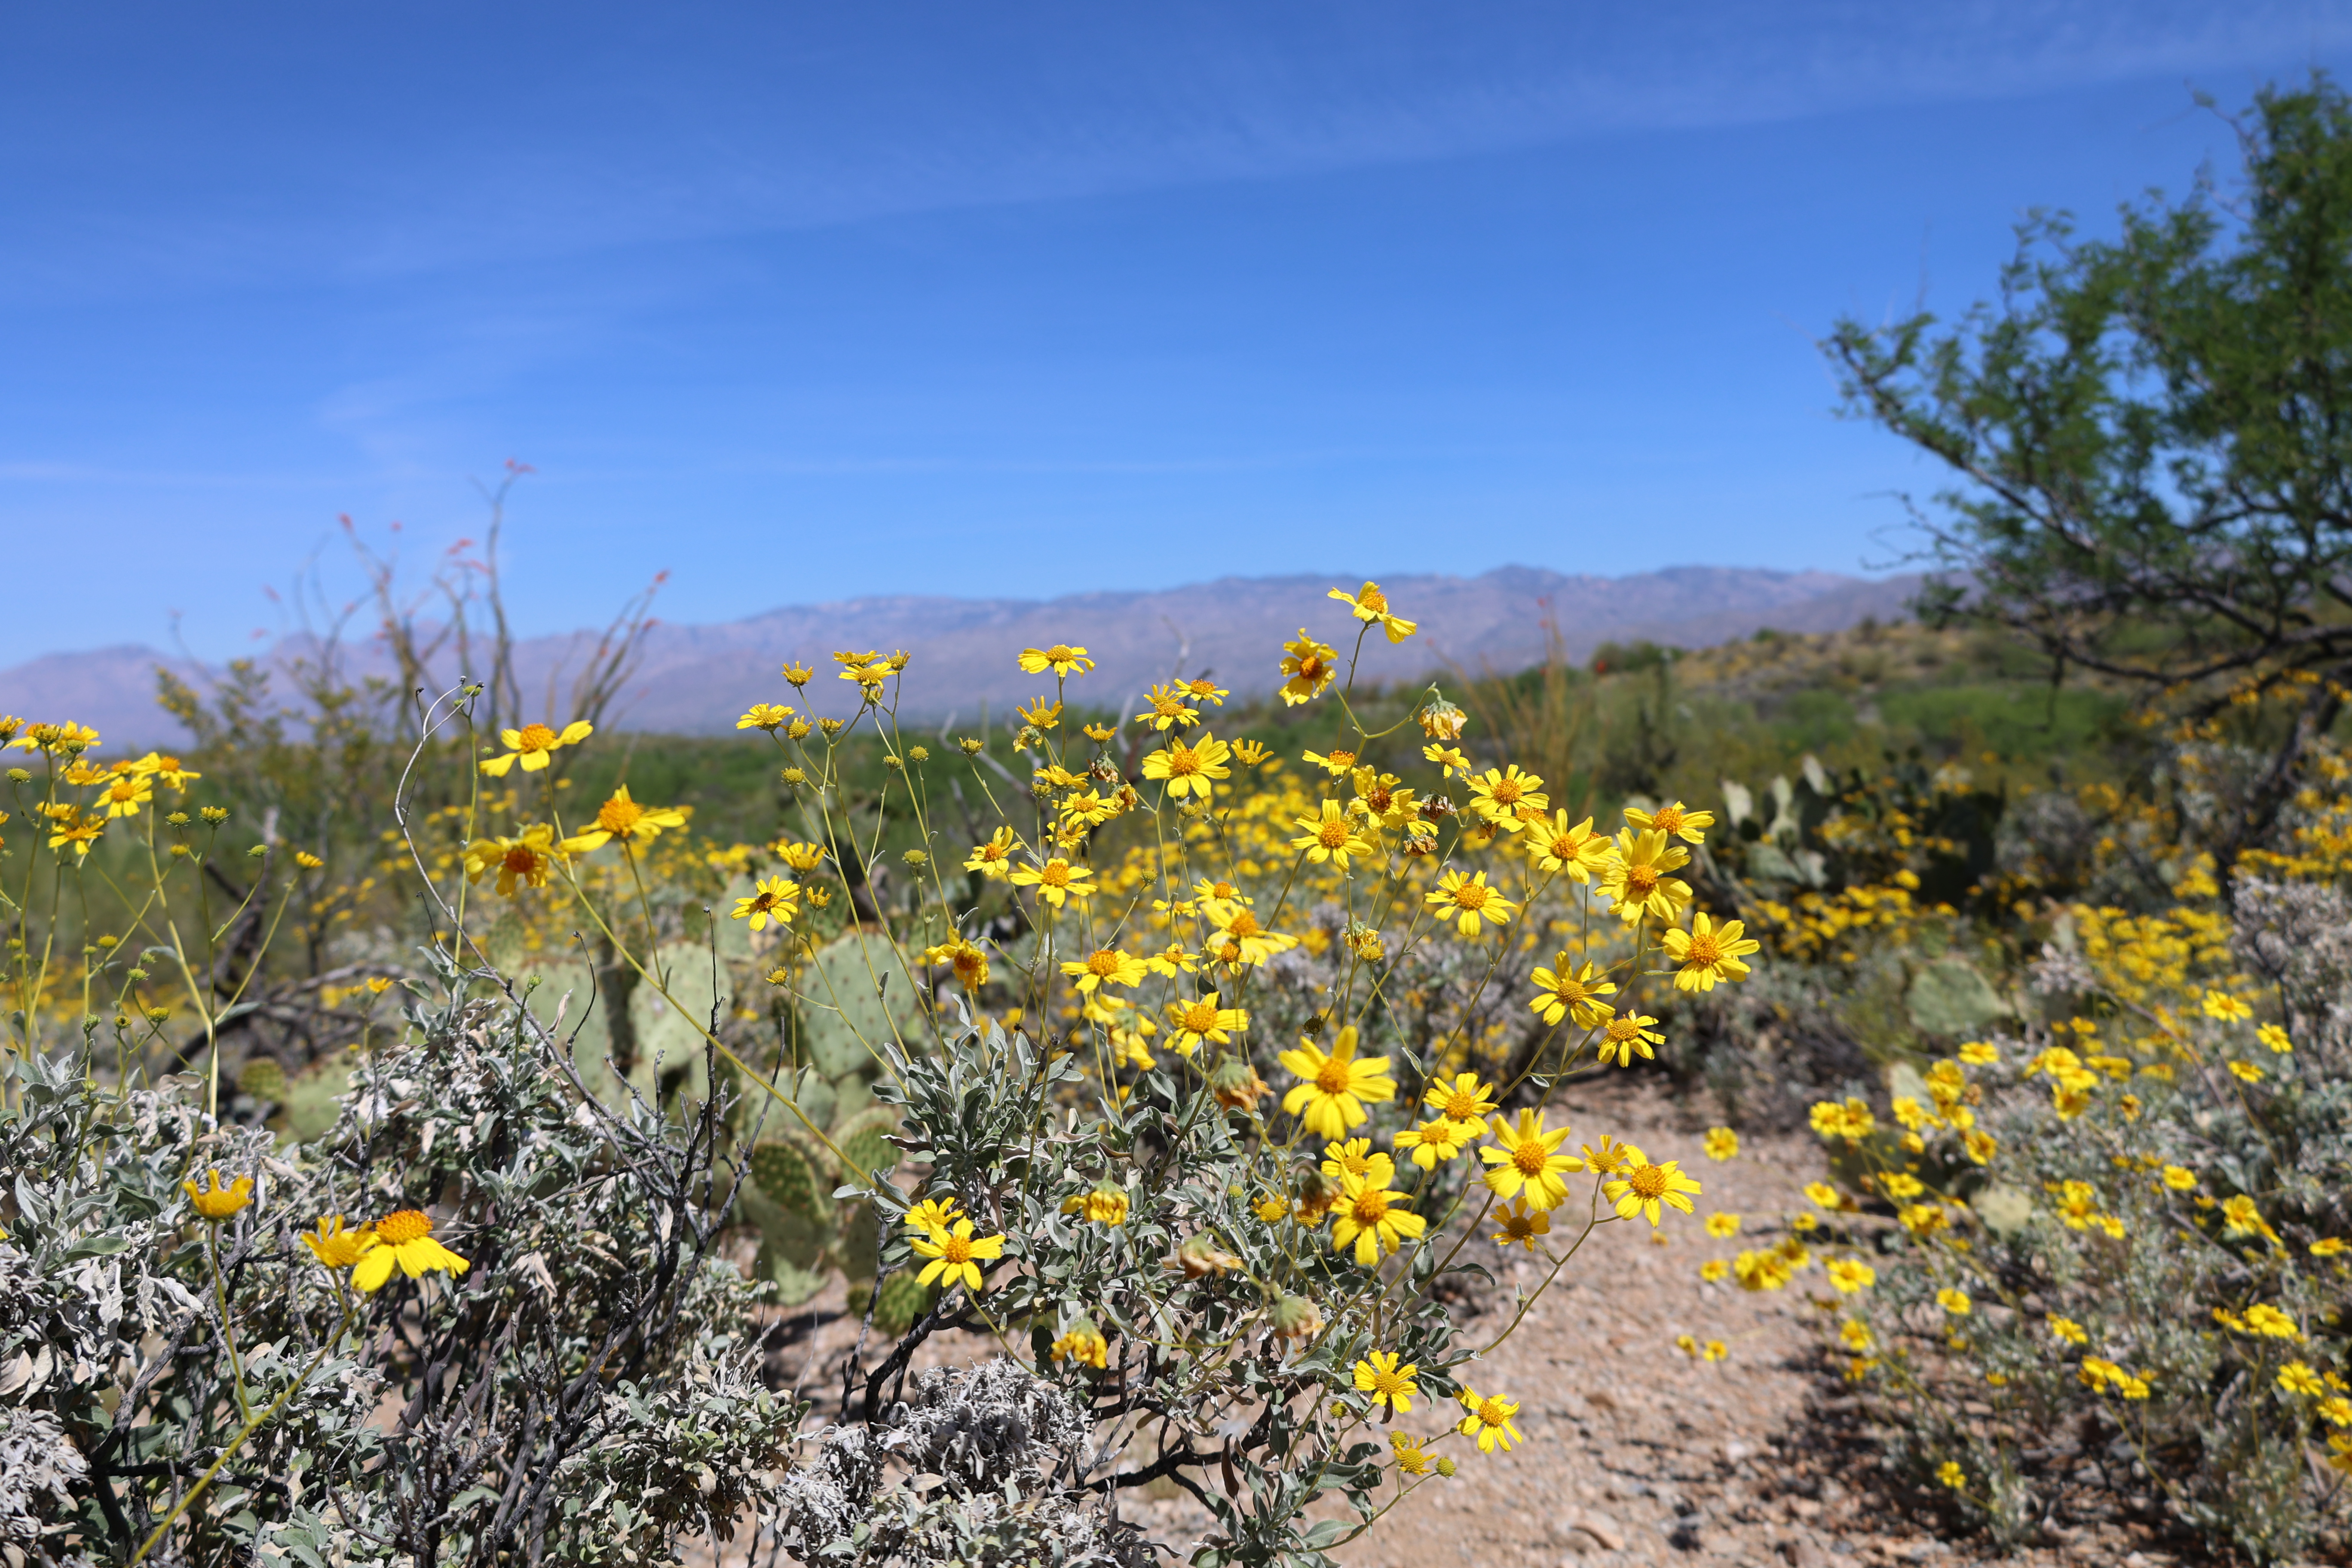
(1604, 1531)
(1735, 1450)
(1801, 1552)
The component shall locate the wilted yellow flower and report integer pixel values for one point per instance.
(1307, 666)
(217, 1202)
(528, 858)
(334, 1247)
(1371, 606)
(1083, 1342)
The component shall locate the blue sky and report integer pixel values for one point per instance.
(806, 302)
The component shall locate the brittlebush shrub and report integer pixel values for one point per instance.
(1194, 1072)
(2092, 1262)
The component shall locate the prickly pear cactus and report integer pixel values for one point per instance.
(853, 997)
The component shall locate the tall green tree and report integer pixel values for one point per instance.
(2151, 438)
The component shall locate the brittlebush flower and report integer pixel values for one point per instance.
(1434, 1142)
(125, 795)
(165, 771)
(1239, 939)
(1056, 880)
(1307, 668)
(1331, 837)
(1849, 1275)
(776, 898)
(528, 859)
(993, 860)
(966, 957)
(954, 1255)
(1573, 850)
(1489, 1421)
(1628, 1035)
(1529, 1161)
(217, 1202)
(1330, 1099)
(1709, 952)
(1642, 1188)
(1371, 606)
(1202, 1019)
(1468, 900)
(1083, 1342)
(1188, 767)
(626, 820)
(1636, 881)
(1379, 1375)
(1675, 821)
(1460, 1099)
(1502, 794)
(1107, 966)
(1170, 709)
(1522, 1224)
(769, 716)
(1373, 1219)
(1563, 992)
(530, 745)
(336, 1248)
(1061, 659)
(930, 1214)
(1722, 1143)
(404, 1240)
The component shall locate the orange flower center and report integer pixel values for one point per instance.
(1343, 759)
(1244, 924)
(1460, 1105)
(1471, 895)
(1200, 1018)
(1055, 874)
(1569, 990)
(537, 738)
(1508, 793)
(1310, 667)
(1103, 964)
(1670, 820)
(1333, 1077)
(1531, 1158)
(1059, 654)
(1370, 1208)
(1704, 952)
(402, 1225)
(1493, 1413)
(1332, 835)
(1380, 798)
(956, 1250)
(1621, 1030)
(1641, 880)
(1231, 953)
(1649, 1180)
(1182, 760)
(522, 860)
(618, 816)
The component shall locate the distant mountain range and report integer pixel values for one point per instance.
(698, 679)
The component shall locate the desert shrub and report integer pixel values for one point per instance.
(1178, 1075)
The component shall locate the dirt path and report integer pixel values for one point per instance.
(1636, 1453)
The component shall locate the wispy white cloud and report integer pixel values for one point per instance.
(633, 127)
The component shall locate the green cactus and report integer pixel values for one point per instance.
(902, 1301)
(847, 1010)
(783, 1173)
(263, 1078)
(860, 1138)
